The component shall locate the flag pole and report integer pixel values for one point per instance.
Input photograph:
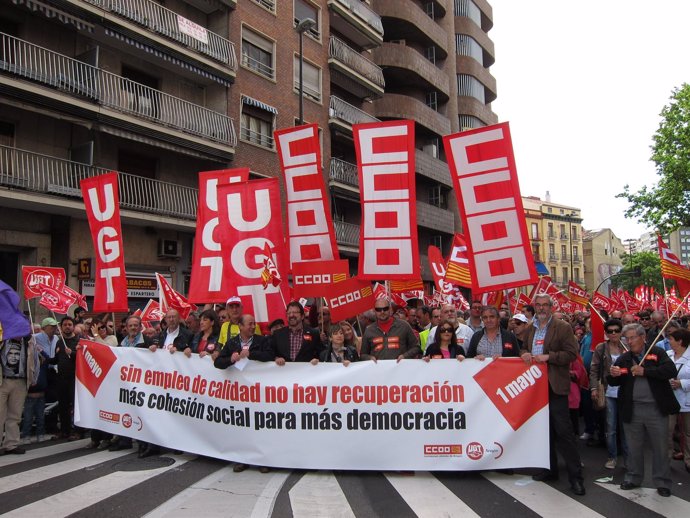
(60, 333)
(595, 310)
(661, 331)
(31, 319)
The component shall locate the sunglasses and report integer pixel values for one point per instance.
(446, 329)
(384, 308)
(645, 318)
(613, 331)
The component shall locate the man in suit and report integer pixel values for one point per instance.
(551, 341)
(175, 337)
(295, 343)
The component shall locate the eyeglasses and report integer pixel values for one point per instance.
(613, 331)
(446, 329)
(384, 308)
(645, 318)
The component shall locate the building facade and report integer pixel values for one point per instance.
(161, 90)
(602, 251)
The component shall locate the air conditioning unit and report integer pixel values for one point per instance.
(169, 248)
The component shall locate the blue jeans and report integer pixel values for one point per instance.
(612, 428)
(34, 407)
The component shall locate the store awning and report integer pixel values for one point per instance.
(52, 12)
(541, 268)
(263, 106)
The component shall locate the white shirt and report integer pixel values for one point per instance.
(170, 337)
(463, 333)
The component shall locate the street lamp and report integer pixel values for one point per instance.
(303, 26)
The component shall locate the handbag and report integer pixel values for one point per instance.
(600, 401)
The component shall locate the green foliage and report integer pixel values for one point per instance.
(666, 205)
(650, 267)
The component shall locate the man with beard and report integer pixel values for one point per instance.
(551, 341)
(66, 360)
(295, 343)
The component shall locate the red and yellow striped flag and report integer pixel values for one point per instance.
(458, 269)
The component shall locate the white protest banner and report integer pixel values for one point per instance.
(441, 415)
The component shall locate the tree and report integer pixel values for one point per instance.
(650, 272)
(666, 206)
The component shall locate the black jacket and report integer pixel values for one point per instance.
(349, 353)
(511, 346)
(183, 340)
(279, 345)
(435, 350)
(234, 345)
(658, 370)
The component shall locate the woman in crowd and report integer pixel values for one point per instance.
(445, 344)
(605, 355)
(492, 341)
(680, 355)
(337, 350)
(99, 332)
(206, 340)
(351, 337)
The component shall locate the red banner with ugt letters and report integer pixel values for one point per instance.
(483, 169)
(312, 279)
(349, 298)
(209, 261)
(102, 201)
(249, 220)
(310, 228)
(388, 231)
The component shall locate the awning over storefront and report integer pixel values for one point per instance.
(541, 268)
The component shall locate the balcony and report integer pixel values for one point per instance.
(22, 170)
(553, 258)
(74, 85)
(433, 168)
(356, 21)
(564, 236)
(396, 106)
(577, 259)
(564, 256)
(344, 115)
(435, 218)
(579, 280)
(406, 20)
(167, 23)
(346, 234)
(354, 72)
(342, 173)
(550, 235)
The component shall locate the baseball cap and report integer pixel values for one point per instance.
(520, 317)
(48, 322)
(234, 300)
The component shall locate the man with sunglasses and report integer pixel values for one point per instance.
(388, 338)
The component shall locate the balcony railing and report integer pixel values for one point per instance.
(564, 236)
(364, 12)
(435, 217)
(344, 111)
(550, 235)
(432, 167)
(163, 21)
(50, 175)
(579, 280)
(339, 50)
(344, 172)
(38, 64)
(577, 259)
(346, 233)
(564, 256)
(553, 257)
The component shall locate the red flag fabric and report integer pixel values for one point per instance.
(348, 298)
(522, 301)
(101, 199)
(388, 229)
(32, 276)
(597, 327)
(310, 228)
(170, 299)
(485, 179)
(438, 269)
(380, 291)
(398, 300)
(408, 285)
(57, 300)
(151, 313)
(250, 220)
(310, 279)
(209, 262)
(458, 268)
(600, 301)
(270, 274)
(577, 294)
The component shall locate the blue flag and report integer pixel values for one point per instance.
(14, 322)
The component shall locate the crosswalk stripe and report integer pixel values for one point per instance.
(428, 496)
(250, 492)
(324, 489)
(538, 496)
(649, 498)
(38, 453)
(26, 478)
(90, 493)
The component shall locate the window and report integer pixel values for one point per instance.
(436, 241)
(576, 273)
(564, 252)
(553, 274)
(311, 77)
(431, 54)
(470, 86)
(267, 4)
(303, 10)
(565, 275)
(575, 251)
(552, 250)
(140, 92)
(437, 197)
(432, 100)
(256, 125)
(535, 231)
(6, 134)
(257, 53)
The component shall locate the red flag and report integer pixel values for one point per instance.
(600, 301)
(270, 274)
(577, 294)
(209, 283)
(349, 298)
(151, 313)
(170, 299)
(398, 300)
(35, 275)
(438, 269)
(597, 328)
(310, 228)
(58, 300)
(101, 199)
(485, 181)
(249, 221)
(458, 268)
(388, 230)
(380, 291)
(407, 285)
(310, 278)
(522, 301)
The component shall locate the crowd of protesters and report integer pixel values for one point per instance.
(625, 399)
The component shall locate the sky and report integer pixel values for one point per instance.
(582, 85)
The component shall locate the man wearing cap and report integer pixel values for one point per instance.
(231, 327)
(519, 325)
